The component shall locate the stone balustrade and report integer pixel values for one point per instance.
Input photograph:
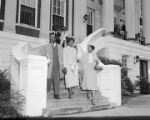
(110, 83)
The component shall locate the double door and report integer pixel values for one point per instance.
(144, 69)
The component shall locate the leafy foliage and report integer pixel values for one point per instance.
(4, 82)
(144, 85)
(59, 28)
(10, 100)
(108, 61)
(127, 86)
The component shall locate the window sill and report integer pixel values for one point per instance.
(1, 20)
(27, 26)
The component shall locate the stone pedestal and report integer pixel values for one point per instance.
(110, 83)
(33, 84)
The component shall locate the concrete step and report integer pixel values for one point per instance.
(77, 94)
(62, 85)
(52, 103)
(63, 89)
(65, 95)
(58, 111)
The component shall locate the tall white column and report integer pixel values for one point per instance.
(45, 19)
(130, 18)
(108, 14)
(149, 71)
(70, 16)
(10, 15)
(146, 20)
(137, 15)
(80, 9)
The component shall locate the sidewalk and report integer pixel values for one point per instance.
(136, 106)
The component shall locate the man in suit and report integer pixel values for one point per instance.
(53, 52)
(56, 65)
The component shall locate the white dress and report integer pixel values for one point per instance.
(90, 75)
(70, 62)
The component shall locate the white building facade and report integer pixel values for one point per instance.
(32, 21)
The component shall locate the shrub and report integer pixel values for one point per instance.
(144, 85)
(10, 104)
(127, 86)
(4, 82)
(108, 61)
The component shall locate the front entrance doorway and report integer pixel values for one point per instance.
(143, 69)
(144, 84)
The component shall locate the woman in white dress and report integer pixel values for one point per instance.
(90, 72)
(70, 66)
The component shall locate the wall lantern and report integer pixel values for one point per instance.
(85, 17)
(136, 59)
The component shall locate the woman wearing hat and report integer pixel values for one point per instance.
(70, 65)
(90, 72)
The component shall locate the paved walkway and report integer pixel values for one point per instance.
(136, 106)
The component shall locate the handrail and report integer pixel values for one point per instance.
(91, 38)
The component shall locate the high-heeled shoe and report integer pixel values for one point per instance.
(70, 97)
(92, 98)
(70, 93)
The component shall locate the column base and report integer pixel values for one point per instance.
(9, 29)
(44, 35)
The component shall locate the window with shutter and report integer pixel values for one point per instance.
(28, 12)
(90, 20)
(124, 64)
(124, 60)
(58, 14)
(2, 9)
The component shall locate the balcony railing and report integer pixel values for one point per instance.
(120, 32)
(140, 38)
(123, 35)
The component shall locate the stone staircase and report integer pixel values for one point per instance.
(79, 103)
